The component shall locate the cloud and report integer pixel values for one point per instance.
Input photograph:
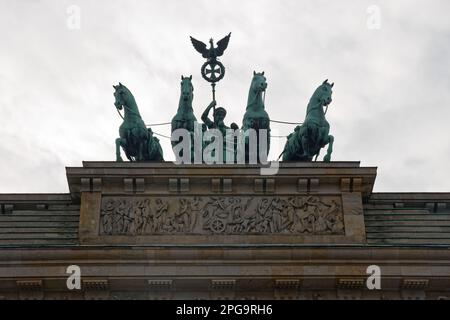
(391, 98)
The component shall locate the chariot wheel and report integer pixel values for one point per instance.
(218, 226)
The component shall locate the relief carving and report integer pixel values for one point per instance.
(221, 215)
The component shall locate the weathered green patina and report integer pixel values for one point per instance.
(213, 52)
(307, 139)
(219, 115)
(185, 118)
(255, 116)
(218, 123)
(212, 70)
(136, 140)
(302, 145)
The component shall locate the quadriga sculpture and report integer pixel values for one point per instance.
(136, 140)
(307, 139)
(255, 116)
(185, 118)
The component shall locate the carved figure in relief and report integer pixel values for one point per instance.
(221, 215)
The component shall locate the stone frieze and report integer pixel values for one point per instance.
(221, 215)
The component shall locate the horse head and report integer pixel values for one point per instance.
(122, 96)
(257, 87)
(185, 118)
(187, 90)
(259, 83)
(323, 93)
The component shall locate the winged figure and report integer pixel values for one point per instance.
(211, 53)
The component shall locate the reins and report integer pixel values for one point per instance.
(129, 110)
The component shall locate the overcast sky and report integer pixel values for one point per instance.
(391, 102)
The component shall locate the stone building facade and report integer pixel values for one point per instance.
(164, 231)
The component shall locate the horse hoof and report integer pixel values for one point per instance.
(327, 158)
(119, 159)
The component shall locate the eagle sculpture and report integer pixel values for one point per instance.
(211, 53)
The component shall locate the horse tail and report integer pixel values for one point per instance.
(281, 154)
(155, 151)
(285, 147)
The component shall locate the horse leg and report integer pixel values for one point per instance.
(317, 155)
(305, 145)
(154, 150)
(121, 142)
(330, 140)
(140, 156)
(118, 145)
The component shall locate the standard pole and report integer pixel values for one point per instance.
(213, 85)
